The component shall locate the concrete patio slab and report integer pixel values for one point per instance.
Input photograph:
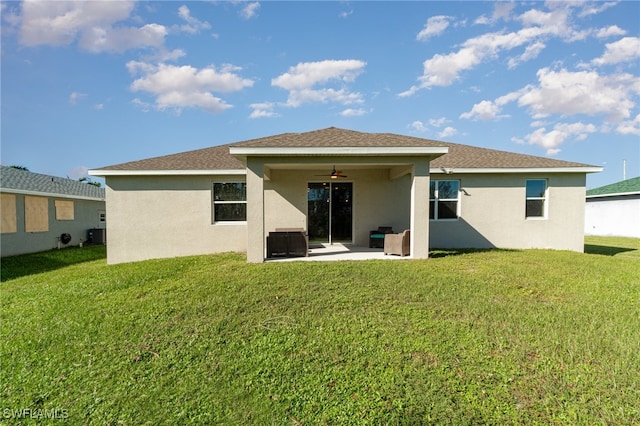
(337, 251)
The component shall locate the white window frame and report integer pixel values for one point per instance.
(215, 202)
(437, 199)
(544, 199)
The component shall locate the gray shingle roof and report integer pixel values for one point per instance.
(22, 181)
(459, 156)
(629, 186)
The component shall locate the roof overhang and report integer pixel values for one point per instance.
(107, 172)
(50, 194)
(617, 194)
(439, 170)
(515, 170)
(243, 152)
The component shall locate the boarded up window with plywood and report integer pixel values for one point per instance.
(36, 214)
(8, 214)
(64, 210)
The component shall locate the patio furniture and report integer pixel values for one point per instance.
(284, 242)
(397, 243)
(376, 238)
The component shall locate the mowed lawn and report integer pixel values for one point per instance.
(497, 337)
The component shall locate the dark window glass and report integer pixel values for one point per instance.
(536, 190)
(229, 201)
(443, 199)
(447, 209)
(535, 208)
(230, 212)
(235, 191)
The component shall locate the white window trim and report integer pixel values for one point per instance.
(436, 199)
(545, 201)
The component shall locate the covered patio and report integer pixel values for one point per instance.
(386, 186)
(337, 251)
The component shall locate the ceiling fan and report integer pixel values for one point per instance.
(335, 174)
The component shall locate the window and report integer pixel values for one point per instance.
(64, 210)
(536, 198)
(229, 202)
(8, 219)
(36, 214)
(444, 199)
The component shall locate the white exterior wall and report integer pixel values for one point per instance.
(166, 216)
(493, 213)
(613, 216)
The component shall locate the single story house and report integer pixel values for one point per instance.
(337, 185)
(614, 210)
(41, 212)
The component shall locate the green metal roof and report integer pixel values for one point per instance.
(629, 186)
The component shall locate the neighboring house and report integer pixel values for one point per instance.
(36, 210)
(229, 197)
(614, 210)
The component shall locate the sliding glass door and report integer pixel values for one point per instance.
(330, 212)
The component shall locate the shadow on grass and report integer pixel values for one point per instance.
(605, 250)
(438, 253)
(35, 263)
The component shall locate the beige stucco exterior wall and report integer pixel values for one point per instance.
(377, 200)
(166, 216)
(493, 213)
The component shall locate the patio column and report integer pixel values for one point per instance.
(420, 211)
(255, 211)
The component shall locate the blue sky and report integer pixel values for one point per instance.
(90, 84)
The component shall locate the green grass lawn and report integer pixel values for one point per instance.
(498, 337)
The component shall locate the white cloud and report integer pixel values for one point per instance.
(263, 110)
(187, 87)
(585, 92)
(531, 52)
(501, 11)
(438, 122)
(434, 26)
(564, 93)
(537, 26)
(611, 31)
(192, 25)
(90, 23)
(626, 49)
(553, 139)
(144, 106)
(419, 126)
(118, 40)
(629, 127)
(350, 112)
(568, 93)
(484, 110)
(301, 79)
(74, 97)
(345, 14)
(78, 172)
(447, 132)
(594, 8)
(250, 10)
(490, 110)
